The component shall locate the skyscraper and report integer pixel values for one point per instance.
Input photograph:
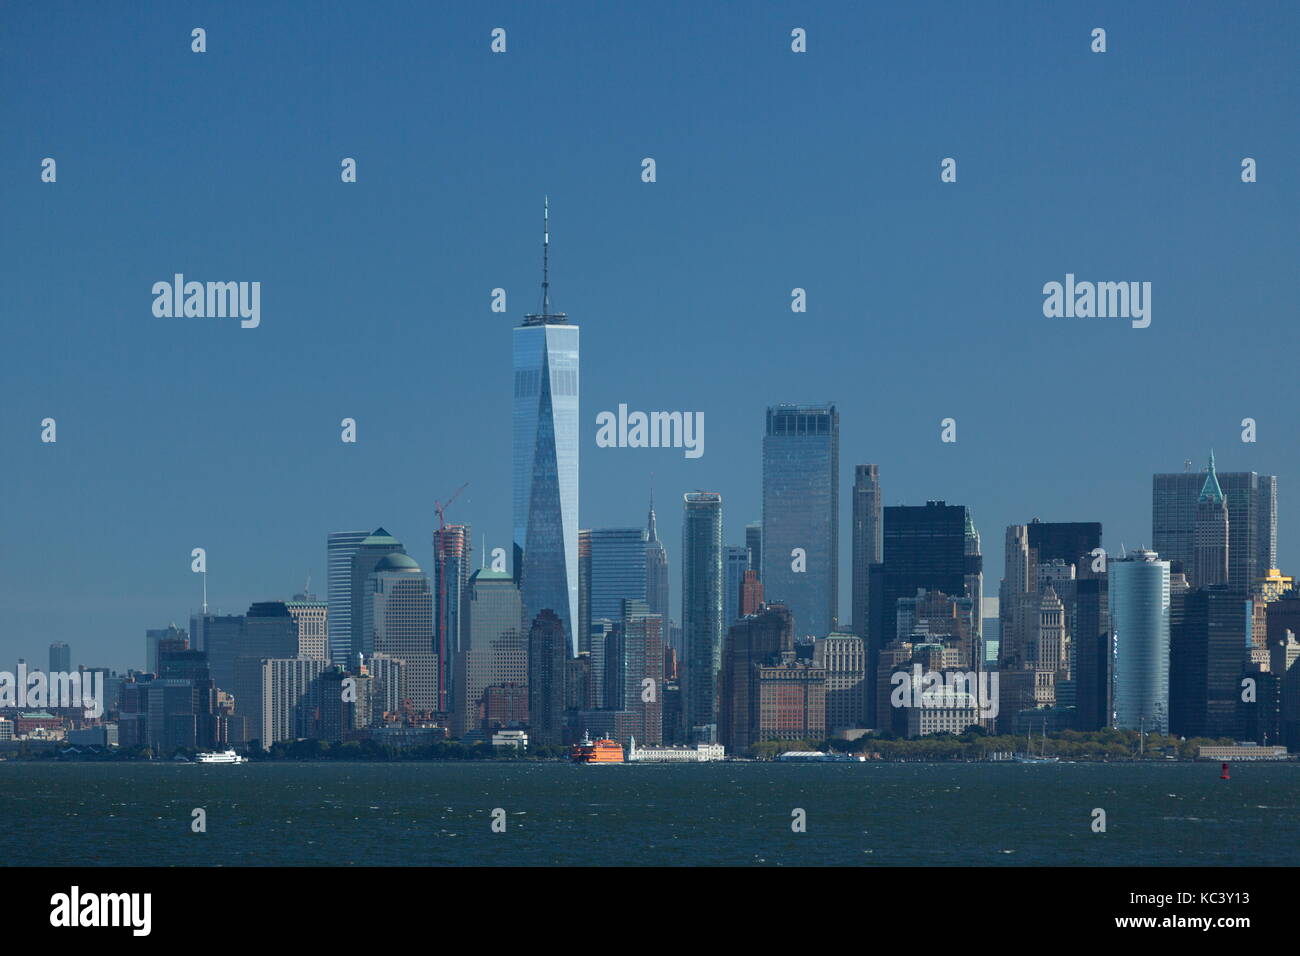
(584, 590)
(843, 657)
(751, 593)
(452, 548)
(736, 562)
(656, 570)
(868, 540)
(312, 618)
(60, 658)
(398, 621)
(924, 547)
(634, 671)
(339, 548)
(369, 552)
(547, 656)
(1210, 535)
(618, 570)
(291, 698)
(268, 631)
(752, 641)
(1139, 621)
(1059, 555)
(1252, 521)
(975, 582)
(493, 648)
(1094, 675)
(546, 365)
(1209, 649)
(1070, 541)
(801, 507)
(754, 542)
(702, 623)
(222, 634)
(152, 638)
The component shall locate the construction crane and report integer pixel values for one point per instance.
(439, 508)
(440, 555)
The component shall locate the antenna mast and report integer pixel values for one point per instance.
(546, 255)
(546, 316)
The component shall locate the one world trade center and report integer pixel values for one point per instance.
(546, 460)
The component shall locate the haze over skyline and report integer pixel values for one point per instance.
(924, 298)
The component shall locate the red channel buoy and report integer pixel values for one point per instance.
(1224, 774)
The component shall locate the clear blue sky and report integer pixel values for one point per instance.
(775, 170)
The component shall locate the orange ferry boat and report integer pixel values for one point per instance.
(600, 751)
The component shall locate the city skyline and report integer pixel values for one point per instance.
(683, 286)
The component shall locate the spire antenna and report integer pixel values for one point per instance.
(546, 316)
(546, 251)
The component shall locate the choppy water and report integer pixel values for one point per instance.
(708, 814)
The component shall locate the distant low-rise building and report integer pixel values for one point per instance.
(510, 738)
(700, 753)
(1241, 751)
(104, 735)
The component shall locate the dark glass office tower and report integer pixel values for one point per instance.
(221, 641)
(1070, 541)
(702, 626)
(801, 507)
(735, 564)
(548, 651)
(1208, 651)
(1094, 656)
(924, 547)
(868, 543)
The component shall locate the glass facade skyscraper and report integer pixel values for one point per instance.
(702, 624)
(451, 570)
(925, 546)
(618, 571)
(546, 468)
(1139, 623)
(339, 548)
(801, 507)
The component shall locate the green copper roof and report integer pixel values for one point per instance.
(379, 536)
(484, 574)
(397, 561)
(1211, 491)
